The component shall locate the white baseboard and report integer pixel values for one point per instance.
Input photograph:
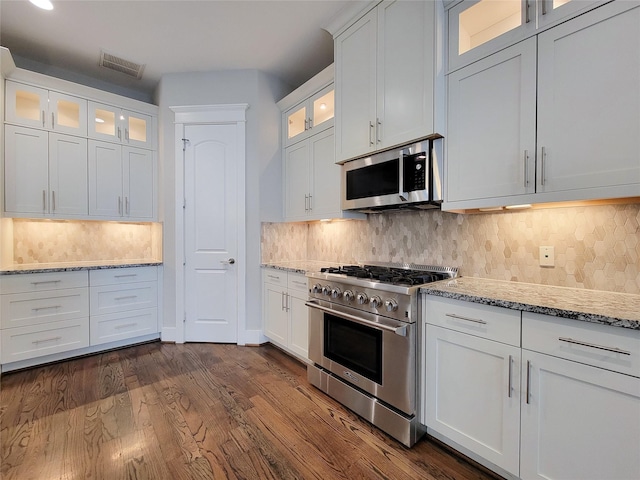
(168, 334)
(252, 337)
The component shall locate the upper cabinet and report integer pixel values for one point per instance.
(115, 124)
(551, 118)
(385, 78)
(480, 27)
(49, 110)
(310, 116)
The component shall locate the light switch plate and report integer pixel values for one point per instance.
(547, 257)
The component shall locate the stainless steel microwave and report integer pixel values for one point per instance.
(409, 176)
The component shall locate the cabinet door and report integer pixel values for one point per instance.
(325, 179)
(589, 102)
(105, 179)
(104, 122)
(472, 394)
(554, 11)
(26, 170)
(138, 167)
(322, 109)
(405, 72)
(578, 421)
(67, 114)
(138, 129)
(68, 181)
(356, 88)
(297, 123)
(491, 125)
(296, 171)
(26, 105)
(298, 323)
(274, 314)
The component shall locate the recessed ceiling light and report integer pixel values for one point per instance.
(44, 4)
(99, 120)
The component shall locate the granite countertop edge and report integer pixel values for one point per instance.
(299, 266)
(439, 289)
(75, 268)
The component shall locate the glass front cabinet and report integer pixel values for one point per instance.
(114, 124)
(311, 116)
(478, 28)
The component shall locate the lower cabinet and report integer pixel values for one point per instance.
(564, 406)
(285, 316)
(61, 312)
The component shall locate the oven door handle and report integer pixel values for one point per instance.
(401, 330)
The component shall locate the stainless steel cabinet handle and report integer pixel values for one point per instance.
(43, 118)
(458, 317)
(310, 123)
(44, 200)
(306, 203)
(126, 325)
(52, 339)
(526, 12)
(526, 173)
(544, 6)
(371, 127)
(37, 309)
(45, 281)
(126, 134)
(593, 345)
(310, 197)
(282, 301)
(127, 297)
(542, 160)
(53, 121)
(286, 302)
(126, 275)
(273, 277)
(126, 205)
(528, 380)
(119, 205)
(378, 130)
(509, 385)
(53, 200)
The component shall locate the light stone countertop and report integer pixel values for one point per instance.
(608, 308)
(75, 266)
(300, 266)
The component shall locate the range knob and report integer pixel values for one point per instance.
(326, 290)
(391, 305)
(362, 298)
(336, 293)
(376, 302)
(348, 295)
(317, 288)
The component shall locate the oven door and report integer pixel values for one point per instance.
(372, 353)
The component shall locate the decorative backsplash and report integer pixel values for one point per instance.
(51, 241)
(596, 247)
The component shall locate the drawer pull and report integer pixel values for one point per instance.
(458, 317)
(274, 277)
(126, 297)
(52, 339)
(37, 309)
(126, 325)
(593, 345)
(42, 282)
(126, 275)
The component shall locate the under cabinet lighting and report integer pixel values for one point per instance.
(44, 4)
(518, 207)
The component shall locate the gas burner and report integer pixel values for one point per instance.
(393, 275)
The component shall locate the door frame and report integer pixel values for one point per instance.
(209, 115)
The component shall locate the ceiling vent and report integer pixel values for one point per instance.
(121, 65)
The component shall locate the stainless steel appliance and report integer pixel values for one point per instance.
(363, 341)
(409, 176)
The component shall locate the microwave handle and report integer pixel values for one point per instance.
(404, 196)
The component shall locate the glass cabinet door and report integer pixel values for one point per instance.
(297, 122)
(322, 107)
(26, 105)
(104, 122)
(67, 114)
(137, 129)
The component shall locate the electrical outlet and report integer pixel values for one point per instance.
(547, 257)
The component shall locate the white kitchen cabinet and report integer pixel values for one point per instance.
(285, 315)
(580, 415)
(502, 152)
(385, 78)
(478, 28)
(472, 378)
(310, 116)
(115, 124)
(122, 181)
(45, 173)
(123, 303)
(43, 314)
(37, 107)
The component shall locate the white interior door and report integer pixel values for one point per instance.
(210, 233)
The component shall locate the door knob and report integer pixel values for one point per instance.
(231, 261)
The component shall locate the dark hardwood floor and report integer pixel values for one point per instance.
(196, 411)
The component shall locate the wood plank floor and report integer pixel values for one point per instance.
(196, 411)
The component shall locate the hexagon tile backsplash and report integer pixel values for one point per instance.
(596, 247)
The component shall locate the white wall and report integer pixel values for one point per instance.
(261, 92)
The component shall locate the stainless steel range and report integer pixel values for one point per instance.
(363, 340)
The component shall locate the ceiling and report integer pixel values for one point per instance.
(282, 38)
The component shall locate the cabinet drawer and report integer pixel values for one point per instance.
(493, 323)
(120, 326)
(604, 346)
(23, 343)
(274, 277)
(297, 282)
(24, 309)
(118, 298)
(116, 276)
(35, 282)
